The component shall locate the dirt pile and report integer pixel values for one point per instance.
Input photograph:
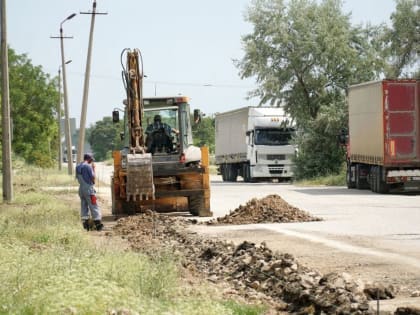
(254, 272)
(270, 209)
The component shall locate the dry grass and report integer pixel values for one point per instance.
(49, 265)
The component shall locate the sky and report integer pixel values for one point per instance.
(188, 47)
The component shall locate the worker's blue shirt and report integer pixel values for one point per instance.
(86, 171)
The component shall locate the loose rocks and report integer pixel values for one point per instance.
(270, 209)
(254, 272)
(407, 311)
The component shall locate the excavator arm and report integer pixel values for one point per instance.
(139, 163)
(133, 78)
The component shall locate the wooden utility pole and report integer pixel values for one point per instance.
(6, 134)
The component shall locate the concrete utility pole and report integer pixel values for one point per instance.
(86, 86)
(66, 103)
(60, 152)
(6, 134)
(60, 156)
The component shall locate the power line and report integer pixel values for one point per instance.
(172, 83)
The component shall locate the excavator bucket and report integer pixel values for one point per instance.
(140, 177)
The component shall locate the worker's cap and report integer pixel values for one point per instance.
(88, 157)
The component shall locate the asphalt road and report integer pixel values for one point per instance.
(390, 222)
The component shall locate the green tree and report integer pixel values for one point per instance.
(104, 137)
(203, 133)
(402, 40)
(33, 102)
(303, 56)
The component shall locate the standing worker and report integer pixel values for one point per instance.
(85, 174)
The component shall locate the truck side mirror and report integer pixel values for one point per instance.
(197, 116)
(115, 116)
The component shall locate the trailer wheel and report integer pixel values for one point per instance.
(350, 183)
(360, 178)
(373, 182)
(381, 186)
(232, 172)
(223, 170)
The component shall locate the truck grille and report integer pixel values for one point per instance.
(276, 169)
(276, 156)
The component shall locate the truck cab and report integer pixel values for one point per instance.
(254, 143)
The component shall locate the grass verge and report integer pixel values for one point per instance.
(328, 180)
(49, 265)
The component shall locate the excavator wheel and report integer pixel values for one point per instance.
(197, 206)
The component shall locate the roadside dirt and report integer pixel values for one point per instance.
(317, 258)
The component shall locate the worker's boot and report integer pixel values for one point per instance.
(86, 225)
(98, 224)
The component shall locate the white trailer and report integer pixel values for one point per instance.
(255, 143)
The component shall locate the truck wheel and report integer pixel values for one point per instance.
(350, 183)
(246, 171)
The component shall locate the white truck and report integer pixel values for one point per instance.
(255, 143)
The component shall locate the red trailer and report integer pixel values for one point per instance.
(384, 136)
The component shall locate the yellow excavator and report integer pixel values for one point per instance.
(158, 168)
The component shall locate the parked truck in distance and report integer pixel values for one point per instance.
(73, 154)
(255, 143)
(383, 145)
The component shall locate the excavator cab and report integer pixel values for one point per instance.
(162, 131)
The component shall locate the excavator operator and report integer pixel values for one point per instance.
(159, 136)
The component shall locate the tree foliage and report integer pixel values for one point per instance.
(203, 133)
(402, 40)
(304, 54)
(319, 152)
(33, 103)
(104, 137)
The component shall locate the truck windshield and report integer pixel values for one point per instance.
(280, 136)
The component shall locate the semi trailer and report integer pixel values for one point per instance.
(383, 144)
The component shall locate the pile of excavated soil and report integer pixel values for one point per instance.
(251, 271)
(270, 209)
